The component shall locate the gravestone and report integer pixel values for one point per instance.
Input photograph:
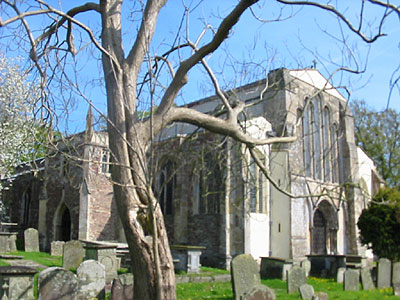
(57, 283)
(57, 248)
(12, 242)
(245, 275)
(16, 282)
(73, 254)
(260, 292)
(31, 236)
(306, 265)
(320, 296)
(396, 288)
(351, 280)
(366, 279)
(306, 291)
(92, 280)
(396, 273)
(296, 277)
(122, 287)
(340, 275)
(384, 273)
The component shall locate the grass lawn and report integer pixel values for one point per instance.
(39, 257)
(223, 291)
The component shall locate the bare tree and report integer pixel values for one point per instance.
(125, 72)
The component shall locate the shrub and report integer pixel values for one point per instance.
(379, 224)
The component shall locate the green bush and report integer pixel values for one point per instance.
(379, 224)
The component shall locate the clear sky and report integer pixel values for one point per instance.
(303, 36)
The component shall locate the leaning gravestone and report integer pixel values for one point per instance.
(92, 280)
(31, 236)
(366, 279)
(57, 284)
(73, 254)
(296, 277)
(245, 275)
(56, 248)
(351, 280)
(384, 273)
(122, 287)
(306, 291)
(396, 273)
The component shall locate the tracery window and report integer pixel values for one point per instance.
(320, 142)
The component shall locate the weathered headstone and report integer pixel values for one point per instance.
(306, 291)
(57, 283)
(340, 275)
(245, 275)
(57, 248)
(366, 279)
(296, 277)
(16, 282)
(92, 280)
(384, 273)
(396, 273)
(306, 265)
(351, 280)
(73, 254)
(320, 296)
(31, 236)
(12, 242)
(260, 292)
(396, 288)
(122, 287)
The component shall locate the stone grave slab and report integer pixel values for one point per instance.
(320, 296)
(31, 237)
(57, 248)
(396, 273)
(260, 292)
(92, 280)
(245, 275)
(306, 291)
(366, 279)
(384, 273)
(105, 254)
(17, 283)
(122, 287)
(351, 280)
(296, 277)
(57, 283)
(73, 254)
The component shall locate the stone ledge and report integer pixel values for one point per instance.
(213, 278)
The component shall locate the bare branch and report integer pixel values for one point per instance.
(333, 10)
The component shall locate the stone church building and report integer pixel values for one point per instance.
(209, 187)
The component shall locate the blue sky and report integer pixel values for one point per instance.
(292, 43)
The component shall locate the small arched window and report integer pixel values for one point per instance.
(166, 186)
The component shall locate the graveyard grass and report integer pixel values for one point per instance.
(223, 291)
